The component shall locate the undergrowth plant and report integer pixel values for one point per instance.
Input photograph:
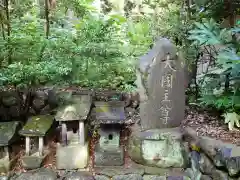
(220, 84)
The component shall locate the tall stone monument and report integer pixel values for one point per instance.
(160, 81)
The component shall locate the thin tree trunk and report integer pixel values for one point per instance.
(47, 30)
(8, 31)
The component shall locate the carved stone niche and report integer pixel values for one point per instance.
(72, 152)
(110, 117)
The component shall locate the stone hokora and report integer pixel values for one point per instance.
(34, 131)
(110, 117)
(161, 87)
(73, 152)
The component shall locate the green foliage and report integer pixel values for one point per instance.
(232, 119)
(84, 49)
(220, 84)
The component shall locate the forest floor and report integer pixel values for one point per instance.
(211, 125)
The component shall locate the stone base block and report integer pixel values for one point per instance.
(72, 156)
(33, 161)
(161, 148)
(111, 157)
(4, 165)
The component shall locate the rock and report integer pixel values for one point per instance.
(44, 174)
(101, 177)
(10, 99)
(78, 176)
(40, 174)
(127, 177)
(205, 177)
(8, 132)
(219, 175)
(206, 165)
(195, 158)
(158, 147)
(118, 171)
(39, 101)
(4, 177)
(193, 174)
(233, 165)
(154, 177)
(23, 176)
(162, 171)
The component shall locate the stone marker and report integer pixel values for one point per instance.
(160, 80)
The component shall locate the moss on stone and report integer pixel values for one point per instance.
(37, 125)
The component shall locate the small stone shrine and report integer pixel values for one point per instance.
(8, 134)
(160, 79)
(110, 116)
(34, 132)
(73, 151)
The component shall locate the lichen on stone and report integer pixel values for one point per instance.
(37, 125)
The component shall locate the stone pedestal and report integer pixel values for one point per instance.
(32, 162)
(5, 162)
(109, 157)
(74, 156)
(158, 147)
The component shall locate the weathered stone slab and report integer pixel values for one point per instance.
(37, 125)
(154, 177)
(127, 177)
(164, 150)
(77, 109)
(110, 112)
(72, 157)
(160, 79)
(101, 177)
(79, 176)
(110, 157)
(111, 171)
(40, 174)
(8, 132)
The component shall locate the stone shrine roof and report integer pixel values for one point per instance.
(37, 126)
(111, 112)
